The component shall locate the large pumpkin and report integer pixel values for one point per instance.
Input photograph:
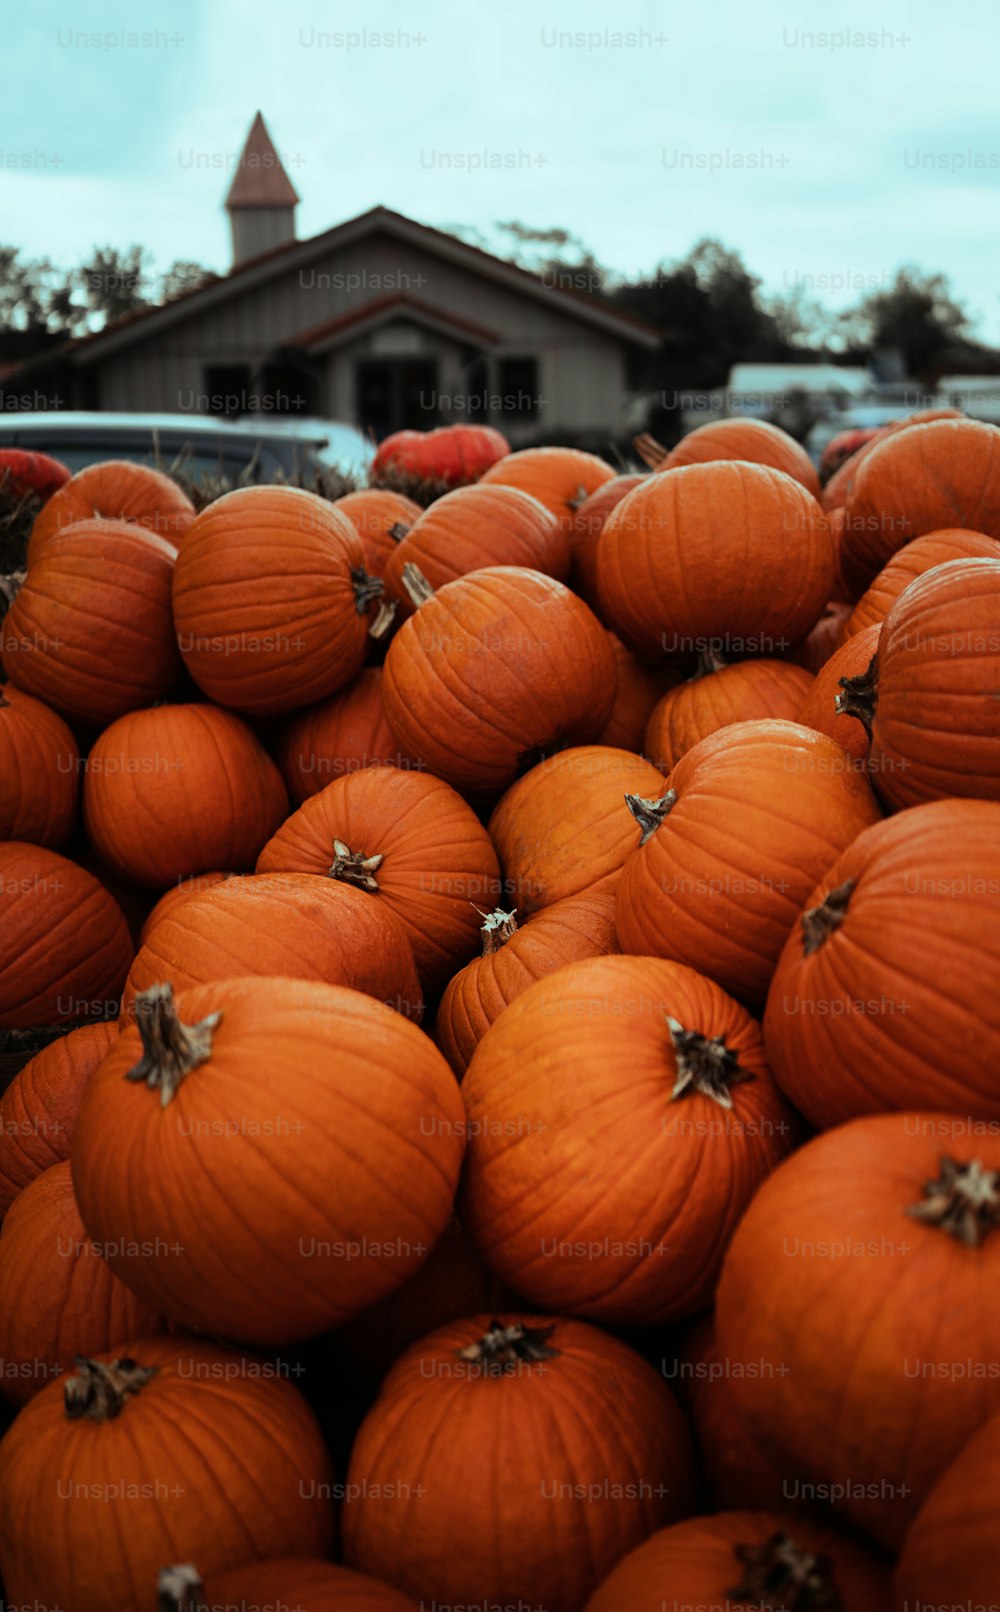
(337, 736)
(495, 670)
(91, 631)
(326, 1132)
(866, 1267)
(39, 771)
(950, 1555)
(725, 858)
(820, 711)
(838, 488)
(586, 1451)
(39, 1108)
(512, 959)
(620, 1116)
(381, 520)
(746, 1559)
(585, 528)
(735, 1472)
(271, 599)
(726, 557)
(756, 441)
(411, 843)
(292, 924)
(928, 699)
(290, 1582)
(560, 478)
(451, 456)
(923, 554)
(942, 474)
(115, 490)
(562, 830)
(58, 1296)
(639, 689)
(878, 1001)
(65, 947)
(170, 1439)
(180, 789)
(718, 695)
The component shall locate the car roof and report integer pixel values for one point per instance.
(174, 424)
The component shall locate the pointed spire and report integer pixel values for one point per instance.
(260, 180)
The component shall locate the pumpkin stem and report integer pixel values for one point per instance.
(180, 1589)
(170, 1049)
(649, 814)
(418, 589)
(782, 1577)
(964, 1201)
(860, 695)
(503, 1348)
(384, 618)
(353, 867)
(398, 531)
(709, 660)
(819, 923)
(366, 589)
(704, 1065)
(99, 1389)
(497, 929)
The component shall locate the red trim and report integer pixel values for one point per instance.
(379, 305)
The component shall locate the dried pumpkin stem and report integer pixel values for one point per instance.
(709, 661)
(964, 1201)
(180, 1589)
(503, 1348)
(579, 497)
(397, 531)
(384, 618)
(704, 1065)
(497, 928)
(366, 589)
(650, 814)
(782, 1577)
(99, 1389)
(10, 587)
(353, 867)
(170, 1049)
(418, 589)
(859, 695)
(819, 923)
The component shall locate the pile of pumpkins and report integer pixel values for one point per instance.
(504, 991)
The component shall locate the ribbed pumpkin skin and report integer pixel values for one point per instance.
(474, 527)
(179, 892)
(639, 690)
(39, 1108)
(816, 649)
(595, 1414)
(321, 1123)
(888, 1011)
(923, 554)
(736, 1474)
(115, 490)
(936, 731)
(308, 1586)
(745, 692)
(560, 478)
(381, 520)
(819, 711)
(178, 790)
(292, 924)
(942, 474)
(39, 771)
(439, 866)
(497, 666)
(762, 810)
(950, 1554)
(869, 1309)
(578, 1184)
(568, 931)
(91, 632)
(230, 1461)
(58, 1296)
(838, 488)
(339, 735)
(452, 454)
(585, 528)
(559, 831)
(758, 442)
(65, 947)
(265, 600)
(727, 556)
(697, 1560)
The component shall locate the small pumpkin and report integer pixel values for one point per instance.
(756, 441)
(560, 478)
(841, 447)
(38, 1109)
(718, 695)
(179, 790)
(115, 490)
(381, 520)
(450, 456)
(339, 735)
(597, 1455)
(923, 554)
(326, 1133)
(735, 1472)
(39, 771)
(24, 474)
(950, 1554)
(820, 711)
(620, 1116)
(308, 1586)
(640, 687)
(585, 528)
(171, 1438)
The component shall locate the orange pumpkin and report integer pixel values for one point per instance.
(756, 441)
(115, 490)
(815, 650)
(639, 689)
(381, 520)
(621, 1114)
(950, 1554)
(39, 1108)
(923, 554)
(838, 488)
(735, 1472)
(820, 709)
(339, 735)
(178, 892)
(719, 695)
(39, 771)
(585, 528)
(308, 1586)
(560, 478)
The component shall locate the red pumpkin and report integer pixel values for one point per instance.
(326, 1131)
(91, 632)
(746, 1559)
(726, 557)
(595, 1102)
(512, 959)
(560, 478)
(585, 528)
(39, 771)
(928, 700)
(308, 1586)
(115, 490)
(451, 456)
(923, 554)
(820, 709)
(173, 1439)
(412, 844)
(497, 668)
(271, 600)
(758, 442)
(595, 1456)
(58, 1297)
(639, 689)
(719, 695)
(874, 1004)
(179, 790)
(838, 488)
(24, 474)
(561, 829)
(39, 1108)
(340, 735)
(289, 924)
(750, 820)
(64, 944)
(942, 474)
(842, 447)
(381, 520)
(735, 1472)
(950, 1554)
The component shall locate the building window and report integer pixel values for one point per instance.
(228, 390)
(477, 386)
(517, 384)
(285, 388)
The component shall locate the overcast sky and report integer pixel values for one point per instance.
(828, 143)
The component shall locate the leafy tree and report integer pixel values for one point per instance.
(918, 315)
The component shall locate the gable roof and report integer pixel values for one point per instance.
(380, 311)
(260, 179)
